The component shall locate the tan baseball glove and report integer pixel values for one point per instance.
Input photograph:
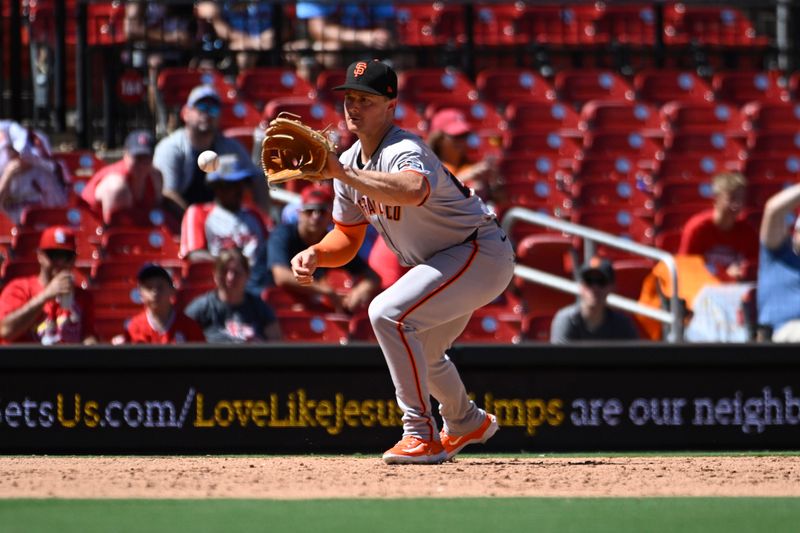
(291, 150)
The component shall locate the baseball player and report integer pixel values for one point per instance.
(460, 259)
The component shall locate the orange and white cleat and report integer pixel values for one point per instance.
(412, 450)
(453, 444)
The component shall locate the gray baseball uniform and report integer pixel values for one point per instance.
(461, 261)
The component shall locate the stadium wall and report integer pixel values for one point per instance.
(304, 399)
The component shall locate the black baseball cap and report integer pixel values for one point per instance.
(153, 270)
(374, 77)
(598, 266)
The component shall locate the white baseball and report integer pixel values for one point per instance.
(208, 161)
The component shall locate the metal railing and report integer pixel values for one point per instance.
(673, 317)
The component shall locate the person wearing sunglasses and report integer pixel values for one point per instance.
(48, 308)
(591, 318)
(176, 155)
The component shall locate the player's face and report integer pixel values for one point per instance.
(367, 114)
(156, 294)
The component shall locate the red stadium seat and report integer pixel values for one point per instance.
(674, 217)
(175, 83)
(536, 326)
(612, 168)
(773, 143)
(627, 223)
(643, 151)
(243, 134)
(25, 242)
(238, 114)
(661, 86)
(772, 167)
(81, 163)
(487, 326)
(13, 268)
(284, 300)
(704, 117)
(80, 220)
(611, 115)
(111, 324)
(186, 294)
(501, 86)
(360, 329)
(531, 143)
(772, 116)
(623, 193)
(538, 116)
(260, 85)
(569, 25)
(497, 25)
(326, 81)
(669, 240)
(629, 275)
(117, 271)
(673, 193)
(739, 88)
(716, 144)
(716, 26)
(429, 25)
(6, 229)
(407, 117)
(679, 166)
(119, 298)
(540, 195)
(149, 244)
(629, 25)
(307, 326)
(529, 169)
(425, 85)
(554, 254)
(197, 272)
(481, 117)
(580, 86)
(759, 191)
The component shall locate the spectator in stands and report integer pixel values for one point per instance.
(48, 308)
(287, 240)
(176, 155)
(778, 288)
(721, 234)
(160, 35)
(246, 28)
(335, 28)
(29, 176)
(160, 322)
(449, 131)
(230, 314)
(209, 228)
(591, 318)
(125, 192)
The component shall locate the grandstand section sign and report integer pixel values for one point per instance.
(330, 399)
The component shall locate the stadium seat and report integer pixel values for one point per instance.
(175, 83)
(429, 24)
(238, 114)
(6, 229)
(487, 326)
(772, 167)
(326, 81)
(626, 223)
(623, 193)
(481, 117)
(114, 297)
(540, 195)
(525, 143)
(613, 168)
(629, 275)
(530, 169)
(772, 116)
(568, 25)
(668, 240)
(501, 86)
(284, 300)
(360, 329)
(307, 326)
(703, 117)
(407, 117)
(424, 86)
(659, 86)
(10, 269)
(495, 25)
(679, 166)
(709, 25)
(580, 86)
(740, 87)
(243, 134)
(689, 192)
(674, 217)
(25, 242)
(185, 294)
(773, 143)
(550, 253)
(80, 220)
(713, 143)
(759, 191)
(641, 150)
(110, 324)
(197, 272)
(538, 116)
(536, 326)
(628, 25)
(261, 84)
(82, 164)
(615, 115)
(149, 244)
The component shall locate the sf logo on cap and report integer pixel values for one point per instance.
(361, 67)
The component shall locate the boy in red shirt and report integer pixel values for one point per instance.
(48, 308)
(160, 322)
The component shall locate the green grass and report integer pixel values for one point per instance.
(540, 515)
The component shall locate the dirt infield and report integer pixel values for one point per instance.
(346, 477)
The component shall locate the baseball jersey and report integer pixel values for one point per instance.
(214, 228)
(180, 329)
(55, 325)
(448, 215)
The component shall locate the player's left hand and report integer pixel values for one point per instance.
(303, 266)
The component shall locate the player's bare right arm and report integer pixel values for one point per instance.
(389, 188)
